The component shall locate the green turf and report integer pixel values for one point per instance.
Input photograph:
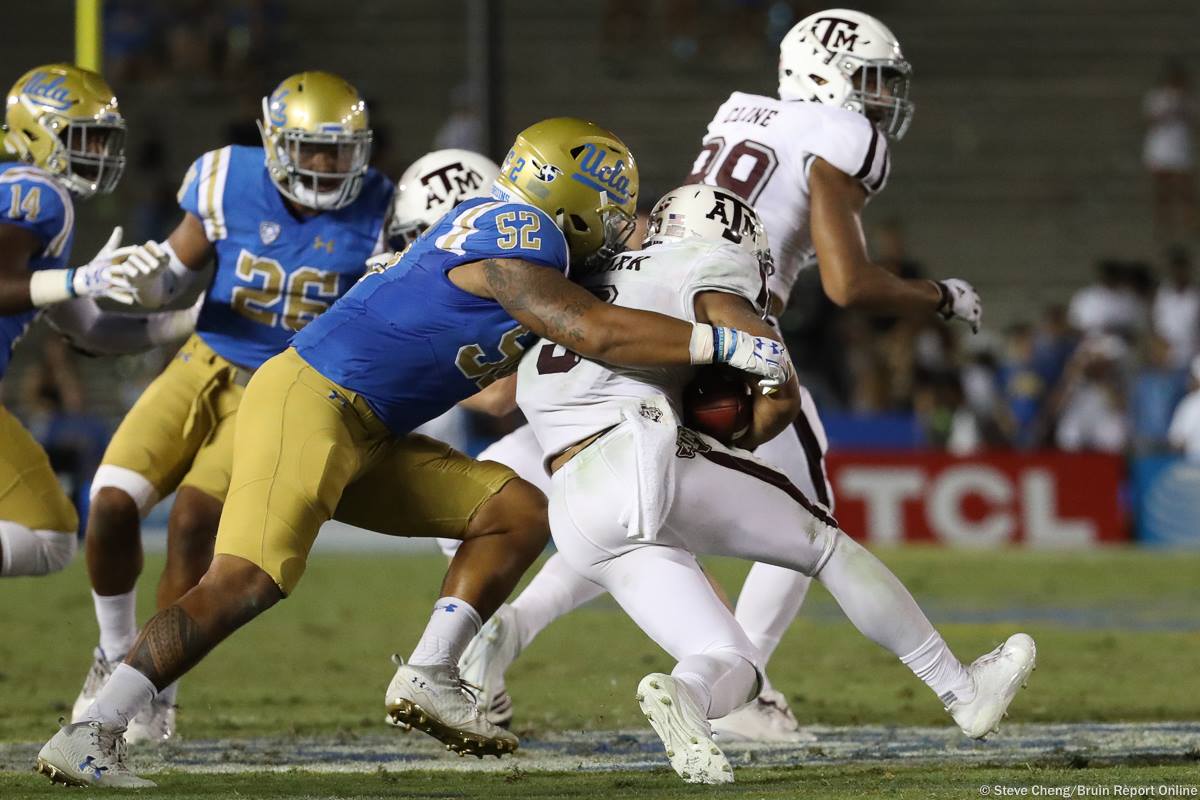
(318, 663)
(828, 783)
(1116, 631)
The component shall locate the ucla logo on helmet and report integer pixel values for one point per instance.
(597, 172)
(278, 108)
(49, 91)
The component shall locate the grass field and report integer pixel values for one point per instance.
(1118, 635)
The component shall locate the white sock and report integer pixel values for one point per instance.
(770, 599)
(451, 627)
(882, 609)
(117, 616)
(554, 591)
(125, 694)
(719, 681)
(933, 663)
(169, 694)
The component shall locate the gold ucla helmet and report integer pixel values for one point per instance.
(318, 140)
(65, 120)
(580, 174)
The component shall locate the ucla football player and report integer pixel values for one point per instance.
(289, 226)
(324, 432)
(63, 124)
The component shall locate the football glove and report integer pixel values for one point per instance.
(959, 301)
(758, 355)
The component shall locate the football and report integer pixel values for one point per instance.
(718, 402)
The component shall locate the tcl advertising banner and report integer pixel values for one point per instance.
(1041, 500)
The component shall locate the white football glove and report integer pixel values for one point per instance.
(959, 301)
(142, 275)
(95, 279)
(757, 355)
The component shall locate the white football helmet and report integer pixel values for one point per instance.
(435, 183)
(851, 60)
(712, 213)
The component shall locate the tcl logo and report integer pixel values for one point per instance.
(1052, 500)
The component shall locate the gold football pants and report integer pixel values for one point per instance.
(307, 450)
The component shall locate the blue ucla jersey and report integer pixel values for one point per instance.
(411, 342)
(31, 198)
(275, 272)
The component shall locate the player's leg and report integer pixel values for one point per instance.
(294, 451)
(148, 455)
(38, 524)
(664, 591)
(870, 595)
(554, 590)
(501, 520)
(771, 596)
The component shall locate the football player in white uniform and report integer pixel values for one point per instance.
(634, 496)
(808, 162)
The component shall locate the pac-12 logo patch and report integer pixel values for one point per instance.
(548, 172)
(268, 231)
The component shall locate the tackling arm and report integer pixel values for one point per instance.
(774, 412)
(545, 302)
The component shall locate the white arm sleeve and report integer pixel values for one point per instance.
(90, 329)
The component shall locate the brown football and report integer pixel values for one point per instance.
(719, 402)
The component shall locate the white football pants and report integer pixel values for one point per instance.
(728, 503)
(770, 597)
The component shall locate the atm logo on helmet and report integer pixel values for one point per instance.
(737, 217)
(598, 173)
(49, 91)
(839, 34)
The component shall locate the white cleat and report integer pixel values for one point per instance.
(155, 724)
(98, 675)
(997, 676)
(437, 701)
(88, 754)
(487, 658)
(767, 718)
(683, 729)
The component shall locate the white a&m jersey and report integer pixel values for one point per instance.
(567, 398)
(762, 148)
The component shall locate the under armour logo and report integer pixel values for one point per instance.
(89, 765)
(323, 244)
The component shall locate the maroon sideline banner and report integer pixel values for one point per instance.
(1039, 500)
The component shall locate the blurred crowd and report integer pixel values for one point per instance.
(1106, 372)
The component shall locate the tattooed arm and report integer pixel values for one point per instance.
(545, 302)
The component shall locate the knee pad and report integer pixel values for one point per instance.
(131, 483)
(34, 552)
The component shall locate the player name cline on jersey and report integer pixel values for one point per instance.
(762, 149)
